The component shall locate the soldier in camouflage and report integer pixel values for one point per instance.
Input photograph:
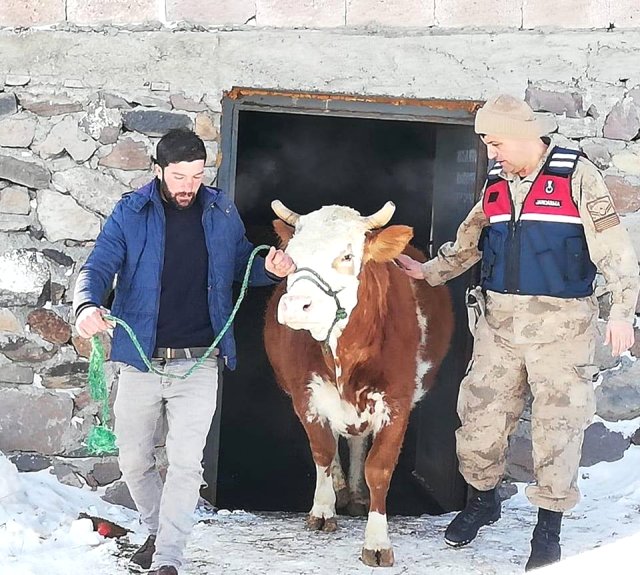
(545, 223)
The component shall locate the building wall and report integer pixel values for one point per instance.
(521, 14)
(82, 106)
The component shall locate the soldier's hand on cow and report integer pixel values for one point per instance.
(278, 263)
(620, 335)
(410, 266)
(90, 322)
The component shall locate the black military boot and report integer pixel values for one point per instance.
(141, 559)
(545, 543)
(482, 509)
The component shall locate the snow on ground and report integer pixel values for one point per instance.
(40, 534)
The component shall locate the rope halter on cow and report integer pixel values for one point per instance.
(372, 222)
(324, 286)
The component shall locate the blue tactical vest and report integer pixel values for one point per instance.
(544, 251)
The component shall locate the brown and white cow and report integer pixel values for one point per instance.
(355, 343)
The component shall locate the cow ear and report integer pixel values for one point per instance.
(386, 244)
(284, 232)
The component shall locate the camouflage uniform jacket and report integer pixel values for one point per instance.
(544, 318)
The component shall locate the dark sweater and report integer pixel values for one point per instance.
(183, 318)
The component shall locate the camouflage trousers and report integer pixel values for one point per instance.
(559, 374)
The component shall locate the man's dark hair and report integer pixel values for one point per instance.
(179, 146)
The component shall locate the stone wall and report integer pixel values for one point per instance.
(81, 111)
(522, 14)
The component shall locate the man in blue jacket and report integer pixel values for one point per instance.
(176, 246)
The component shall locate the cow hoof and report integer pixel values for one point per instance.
(357, 509)
(342, 498)
(328, 525)
(315, 523)
(377, 557)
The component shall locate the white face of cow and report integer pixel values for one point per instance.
(329, 247)
(329, 241)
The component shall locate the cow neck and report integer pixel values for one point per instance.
(361, 338)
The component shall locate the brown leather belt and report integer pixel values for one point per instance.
(182, 352)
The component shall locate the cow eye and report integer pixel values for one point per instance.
(347, 257)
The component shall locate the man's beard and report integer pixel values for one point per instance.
(164, 190)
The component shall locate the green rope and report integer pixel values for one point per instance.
(101, 440)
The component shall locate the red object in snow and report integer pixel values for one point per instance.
(103, 529)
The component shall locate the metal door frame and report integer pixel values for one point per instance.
(239, 99)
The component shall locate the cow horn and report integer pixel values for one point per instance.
(381, 217)
(284, 213)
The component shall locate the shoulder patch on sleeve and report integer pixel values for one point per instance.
(603, 213)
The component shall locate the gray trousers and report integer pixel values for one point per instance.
(166, 510)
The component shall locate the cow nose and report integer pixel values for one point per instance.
(295, 304)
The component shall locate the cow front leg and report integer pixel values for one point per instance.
(322, 516)
(379, 466)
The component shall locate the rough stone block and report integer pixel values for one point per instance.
(27, 462)
(8, 104)
(561, 103)
(206, 128)
(66, 376)
(27, 350)
(160, 86)
(118, 494)
(628, 161)
(17, 79)
(14, 200)
(410, 13)
(49, 106)
(111, 11)
(181, 102)
(17, 132)
(62, 218)
(127, 155)
(31, 12)
(465, 13)
(577, 127)
(16, 374)
(67, 137)
(154, 123)
(300, 13)
(618, 396)
(567, 14)
(23, 275)
(49, 325)
(81, 183)
(626, 195)
(27, 174)
(602, 444)
(623, 122)
(66, 475)
(9, 323)
(220, 12)
(34, 420)
(597, 151)
(106, 472)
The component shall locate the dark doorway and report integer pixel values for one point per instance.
(263, 461)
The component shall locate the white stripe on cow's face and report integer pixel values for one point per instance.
(326, 405)
(329, 241)
(376, 535)
(324, 498)
(422, 366)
